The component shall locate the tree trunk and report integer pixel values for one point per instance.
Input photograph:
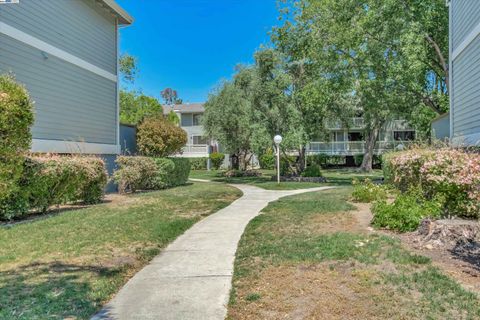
(370, 141)
(234, 161)
(301, 160)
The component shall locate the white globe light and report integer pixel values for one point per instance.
(277, 139)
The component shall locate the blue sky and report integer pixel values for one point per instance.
(190, 45)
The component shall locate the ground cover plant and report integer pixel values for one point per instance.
(309, 256)
(68, 265)
(366, 191)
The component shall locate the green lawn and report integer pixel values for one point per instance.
(69, 265)
(307, 255)
(334, 176)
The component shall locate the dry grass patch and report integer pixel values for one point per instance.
(308, 257)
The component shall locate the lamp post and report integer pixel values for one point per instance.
(277, 140)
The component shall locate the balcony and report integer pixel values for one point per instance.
(194, 151)
(351, 148)
(353, 123)
(359, 123)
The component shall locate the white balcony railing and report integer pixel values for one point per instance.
(195, 149)
(359, 123)
(353, 147)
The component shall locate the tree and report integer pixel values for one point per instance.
(228, 119)
(156, 137)
(386, 57)
(170, 96)
(172, 117)
(135, 106)
(128, 67)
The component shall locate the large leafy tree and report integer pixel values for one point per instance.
(384, 58)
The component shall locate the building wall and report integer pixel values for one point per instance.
(465, 72)
(65, 53)
(128, 139)
(441, 128)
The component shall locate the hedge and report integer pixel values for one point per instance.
(146, 173)
(449, 174)
(16, 118)
(198, 163)
(54, 180)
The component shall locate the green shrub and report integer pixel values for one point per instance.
(198, 163)
(358, 159)
(217, 159)
(16, 118)
(406, 212)
(318, 159)
(267, 160)
(144, 173)
(450, 173)
(136, 173)
(241, 173)
(312, 171)
(285, 169)
(157, 137)
(180, 173)
(54, 180)
(367, 191)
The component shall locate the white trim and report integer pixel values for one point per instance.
(466, 42)
(59, 146)
(450, 67)
(467, 140)
(124, 16)
(54, 51)
(117, 44)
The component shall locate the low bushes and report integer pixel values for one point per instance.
(217, 159)
(198, 163)
(325, 160)
(406, 212)
(145, 173)
(367, 191)
(241, 173)
(312, 171)
(267, 160)
(449, 173)
(54, 180)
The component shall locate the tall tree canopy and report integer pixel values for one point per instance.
(386, 58)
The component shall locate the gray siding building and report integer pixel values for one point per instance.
(465, 72)
(66, 53)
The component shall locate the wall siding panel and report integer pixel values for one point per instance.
(79, 27)
(71, 103)
(465, 15)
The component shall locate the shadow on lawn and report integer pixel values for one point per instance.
(52, 290)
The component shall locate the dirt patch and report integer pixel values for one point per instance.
(321, 291)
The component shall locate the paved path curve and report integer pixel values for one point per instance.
(191, 278)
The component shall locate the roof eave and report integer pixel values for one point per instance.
(123, 17)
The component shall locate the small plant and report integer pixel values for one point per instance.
(312, 171)
(253, 297)
(217, 159)
(367, 191)
(406, 212)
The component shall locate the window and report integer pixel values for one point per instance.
(355, 136)
(199, 140)
(404, 135)
(197, 119)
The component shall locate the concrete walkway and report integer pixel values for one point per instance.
(191, 278)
